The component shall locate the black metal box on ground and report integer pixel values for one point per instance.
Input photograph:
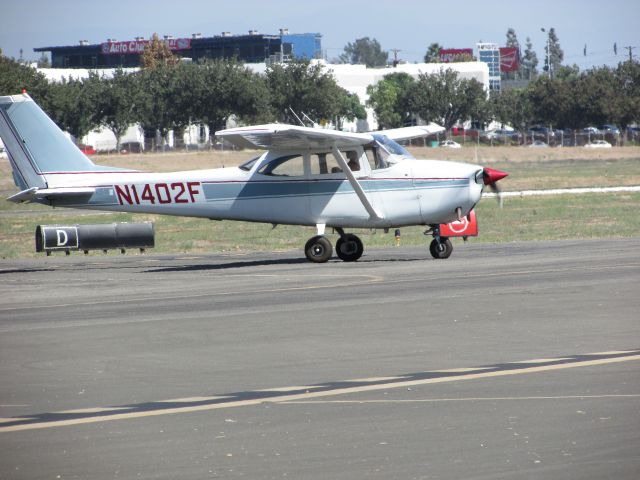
(105, 236)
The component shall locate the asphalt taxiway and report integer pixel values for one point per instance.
(505, 361)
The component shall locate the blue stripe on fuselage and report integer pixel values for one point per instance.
(215, 191)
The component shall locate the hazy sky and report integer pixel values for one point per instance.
(409, 25)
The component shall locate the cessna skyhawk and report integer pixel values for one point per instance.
(305, 176)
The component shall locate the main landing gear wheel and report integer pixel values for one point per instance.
(349, 248)
(318, 249)
(441, 249)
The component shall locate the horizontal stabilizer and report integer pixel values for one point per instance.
(34, 194)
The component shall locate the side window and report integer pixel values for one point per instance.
(288, 166)
(323, 164)
(376, 158)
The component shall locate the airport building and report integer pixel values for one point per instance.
(250, 48)
(489, 53)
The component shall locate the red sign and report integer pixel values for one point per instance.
(456, 54)
(137, 46)
(509, 59)
(467, 227)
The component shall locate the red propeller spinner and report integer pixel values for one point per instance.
(490, 176)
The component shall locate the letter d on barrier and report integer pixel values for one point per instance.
(63, 238)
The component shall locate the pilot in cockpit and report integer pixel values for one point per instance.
(352, 161)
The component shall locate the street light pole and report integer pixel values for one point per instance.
(548, 53)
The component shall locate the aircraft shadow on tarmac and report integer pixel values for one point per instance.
(268, 262)
(229, 265)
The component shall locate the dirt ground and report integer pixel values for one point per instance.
(173, 161)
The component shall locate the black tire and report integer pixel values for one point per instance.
(318, 249)
(441, 250)
(349, 248)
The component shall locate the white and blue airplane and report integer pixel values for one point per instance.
(306, 176)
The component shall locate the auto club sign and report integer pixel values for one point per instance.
(137, 46)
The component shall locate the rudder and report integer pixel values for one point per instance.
(35, 145)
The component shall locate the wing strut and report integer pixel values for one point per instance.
(355, 184)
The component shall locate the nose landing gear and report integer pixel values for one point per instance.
(440, 247)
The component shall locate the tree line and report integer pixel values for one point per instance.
(171, 96)
(570, 99)
(165, 95)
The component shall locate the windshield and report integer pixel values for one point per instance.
(249, 164)
(389, 151)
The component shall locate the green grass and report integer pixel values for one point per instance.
(530, 218)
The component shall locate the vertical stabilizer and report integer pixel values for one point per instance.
(35, 144)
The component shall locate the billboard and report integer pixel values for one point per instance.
(137, 46)
(448, 55)
(509, 59)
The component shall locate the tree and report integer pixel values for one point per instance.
(15, 77)
(224, 88)
(446, 99)
(433, 53)
(303, 88)
(157, 53)
(365, 51)
(389, 100)
(159, 110)
(627, 98)
(553, 53)
(550, 101)
(350, 108)
(529, 61)
(512, 107)
(118, 101)
(74, 105)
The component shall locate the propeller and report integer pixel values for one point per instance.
(490, 178)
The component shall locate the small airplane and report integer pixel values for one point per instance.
(306, 176)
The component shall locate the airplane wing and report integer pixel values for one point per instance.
(290, 137)
(406, 133)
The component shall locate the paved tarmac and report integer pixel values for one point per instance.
(505, 361)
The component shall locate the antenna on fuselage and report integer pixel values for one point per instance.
(297, 117)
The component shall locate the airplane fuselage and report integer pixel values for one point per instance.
(410, 192)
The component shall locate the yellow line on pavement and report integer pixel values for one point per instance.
(317, 394)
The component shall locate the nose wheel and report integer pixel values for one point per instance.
(441, 249)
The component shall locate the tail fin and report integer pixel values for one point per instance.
(35, 145)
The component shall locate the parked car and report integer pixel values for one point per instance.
(591, 131)
(541, 132)
(598, 144)
(502, 135)
(87, 149)
(449, 144)
(538, 144)
(612, 129)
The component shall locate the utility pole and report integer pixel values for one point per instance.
(395, 56)
(630, 48)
